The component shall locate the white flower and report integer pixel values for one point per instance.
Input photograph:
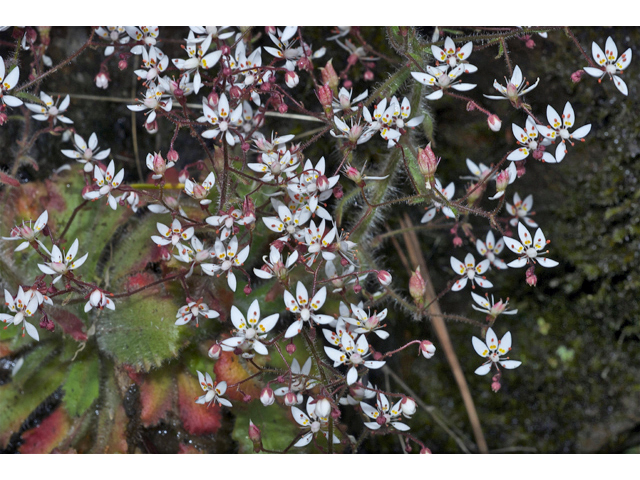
(158, 165)
(469, 271)
(251, 331)
(357, 393)
(490, 249)
(479, 172)
(275, 164)
(353, 353)
(228, 258)
(62, 264)
(446, 193)
(440, 80)
(113, 34)
(319, 241)
(200, 192)
(276, 266)
(313, 422)
(86, 153)
(197, 59)
(366, 323)
(227, 220)
(213, 392)
(528, 139)
(148, 35)
(289, 223)
(453, 56)
(29, 233)
(520, 210)
(560, 128)
(300, 380)
(98, 299)
(609, 65)
(493, 350)
(344, 101)
(50, 111)
(515, 87)
(312, 181)
(7, 83)
(152, 102)
(155, 62)
(193, 310)
(493, 308)
(172, 235)
(23, 305)
(221, 118)
(530, 251)
(304, 309)
(106, 183)
(384, 414)
(285, 48)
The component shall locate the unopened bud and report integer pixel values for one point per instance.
(3, 118)
(47, 324)
(290, 399)
(494, 123)
(417, 287)
(215, 351)
(102, 80)
(532, 280)
(425, 451)
(267, 396)
(291, 79)
(213, 99)
(173, 156)
(282, 108)
(368, 76)
(247, 290)
(270, 30)
(122, 64)
(427, 161)
(304, 64)
(577, 76)
(291, 348)
(457, 241)
(151, 127)
(235, 92)
(255, 436)
(354, 175)
(323, 408)
(329, 76)
(427, 349)
(325, 96)
(408, 406)
(384, 278)
(502, 180)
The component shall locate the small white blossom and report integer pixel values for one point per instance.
(493, 308)
(446, 193)
(250, 332)
(7, 83)
(559, 127)
(610, 64)
(86, 153)
(62, 264)
(520, 210)
(352, 353)
(98, 299)
(384, 414)
(469, 271)
(490, 249)
(50, 110)
(228, 257)
(492, 349)
(305, 310)
(530, 250)
(213, 392)
(29, 233)
(312, 421)
(23, 306)
(200, 192)
(516, 87)
(192, 311)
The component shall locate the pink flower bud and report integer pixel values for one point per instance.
(291, 348)
(173, 156)
(247, 290)
(290, 399)
(255, 436)
(368, 76)
(353, 174)
(270, 30)
(530, 43)
(494, 123)
(282, 108)
(151, 127)
(322, 183)
(417, 287)
(291, 79)
(122, 64)
(427, 349)
(408, 406)
(502, 180)
(337, 191)
(532, 280)
(357, 288)
(323, 408)
(3, 118)
(267, 396)
(347, 84)
(425, 450)
(384, 278)
(213, 99)
(102, 80)
(235, 92)
(427, 161)
(47, 324)
(577, 76)
(329, 76)
(457, 241)
(215, 351)
(304, 64)
(325, 96)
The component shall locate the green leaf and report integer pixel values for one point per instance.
(141, 331)
(83, 383)
(17, 402)
(278, 430)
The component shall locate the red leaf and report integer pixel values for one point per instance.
(8, 180)
(48, 435)
(196, 419)
(70, 324)
(156, 397)
(231, 369)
